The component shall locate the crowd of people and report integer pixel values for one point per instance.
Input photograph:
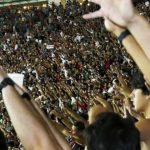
(69, 64)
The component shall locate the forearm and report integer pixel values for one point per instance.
(104, 103)
(52, 126)
(67, 123)
(26, 120)
(140, 29)
(76, 116)
(65, 120)
(136, 53)
(52, 129)
(65, 131)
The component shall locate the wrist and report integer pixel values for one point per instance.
(123, 35)
(6, 82)
(118, 31)
(133, 21)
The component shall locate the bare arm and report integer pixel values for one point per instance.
(104, 103)
(65, 131)
(124, 88)
(127, 17)
(132, 48)
(138, 55)
(65, 120)
(52, 128)
(140, 29)
(27, 122)
(75, 115)
(57, 134)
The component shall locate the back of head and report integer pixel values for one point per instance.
(3, 145)
(111, 132)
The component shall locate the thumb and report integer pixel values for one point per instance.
(95, 14)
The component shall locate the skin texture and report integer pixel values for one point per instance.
(127, 17)
(113, 10)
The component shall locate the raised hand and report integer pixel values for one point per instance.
(120, 12)
(110, 26)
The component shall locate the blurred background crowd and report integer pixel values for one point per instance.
(69, 64)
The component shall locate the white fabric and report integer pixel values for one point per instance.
(78, 38)
(49, 46)
(17, 78)
(147, 4)
(110, 90)
(16, 46)
(73, 100)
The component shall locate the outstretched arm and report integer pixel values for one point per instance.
(104, 103)
(126, 17)
(53, 128)
(140, 29)
(65, 120)
(132, 47)
(75, 115)
(29, 125)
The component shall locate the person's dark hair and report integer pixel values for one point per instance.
(79, 125)
(3, 145)
(112, 132)
(138, 82)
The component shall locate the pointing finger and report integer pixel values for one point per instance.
(95, 14)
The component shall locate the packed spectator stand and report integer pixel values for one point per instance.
(69, 64)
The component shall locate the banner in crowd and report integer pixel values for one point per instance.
(17, 78)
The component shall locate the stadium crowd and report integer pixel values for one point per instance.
(70, 65)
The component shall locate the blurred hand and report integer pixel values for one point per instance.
(120, 12)
(110, 26)
(128, 104)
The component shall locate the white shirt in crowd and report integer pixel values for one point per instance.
(78, 38)
(16, 46)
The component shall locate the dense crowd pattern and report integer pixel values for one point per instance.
(68, 62)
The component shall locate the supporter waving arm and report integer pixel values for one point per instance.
(132, 48)
(127, 17)
(75, 115)
(104, 103)
(31, 128)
